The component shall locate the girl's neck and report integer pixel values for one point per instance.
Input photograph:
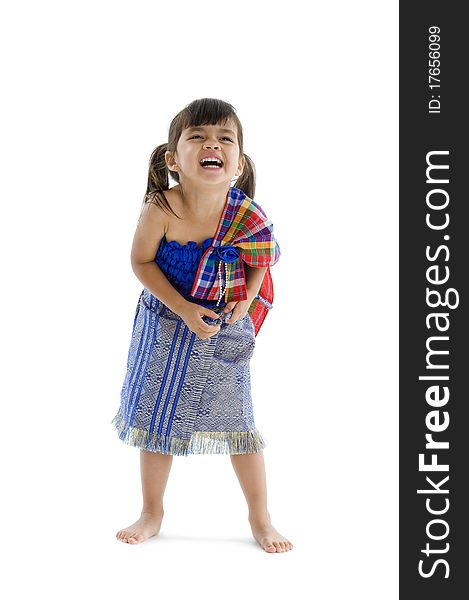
(203, 204)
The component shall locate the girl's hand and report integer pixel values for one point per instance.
(240, 310)
(192, 314)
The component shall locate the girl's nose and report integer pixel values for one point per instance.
(210, 146)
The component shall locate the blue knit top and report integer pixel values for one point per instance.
(180, 263)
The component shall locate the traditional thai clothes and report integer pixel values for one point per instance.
(186, 395)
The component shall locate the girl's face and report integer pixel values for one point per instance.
(203, 141)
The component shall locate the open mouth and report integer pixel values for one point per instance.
(211, 163)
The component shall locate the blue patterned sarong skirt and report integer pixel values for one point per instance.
(183, 394)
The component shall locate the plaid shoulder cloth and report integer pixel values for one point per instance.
(244, 233)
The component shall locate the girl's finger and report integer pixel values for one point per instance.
(229, 306)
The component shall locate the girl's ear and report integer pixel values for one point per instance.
(242, 162)
(170, 161)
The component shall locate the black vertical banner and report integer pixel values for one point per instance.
(434, 251)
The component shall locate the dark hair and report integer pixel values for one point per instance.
(205, 111)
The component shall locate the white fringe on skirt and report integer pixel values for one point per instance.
(201, 442)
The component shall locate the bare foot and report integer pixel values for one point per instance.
(269, 538)
(147, 526)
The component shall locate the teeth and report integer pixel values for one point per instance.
(217, 160)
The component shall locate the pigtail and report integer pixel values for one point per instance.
(158, 180)
(247, 180)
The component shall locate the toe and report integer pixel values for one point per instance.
(269, 547)
(135, 537)
(277, 546)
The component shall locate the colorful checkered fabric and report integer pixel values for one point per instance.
(244, 233)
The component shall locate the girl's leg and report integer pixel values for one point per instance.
(154, 471)
(250, 470)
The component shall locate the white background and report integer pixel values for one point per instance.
(89, 89)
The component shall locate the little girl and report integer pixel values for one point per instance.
(187, 387)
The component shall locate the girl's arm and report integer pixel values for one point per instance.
(150, 229)
(254, 277)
